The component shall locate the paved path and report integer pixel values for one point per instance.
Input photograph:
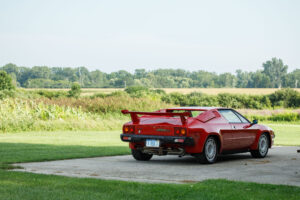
(281, 166)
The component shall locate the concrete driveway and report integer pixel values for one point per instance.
(281, 166)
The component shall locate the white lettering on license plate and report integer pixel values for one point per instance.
(152, 143)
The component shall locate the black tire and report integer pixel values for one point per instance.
(263, 147)
(138, 155)
(210, 152)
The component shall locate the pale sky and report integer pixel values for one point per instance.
(111, 35)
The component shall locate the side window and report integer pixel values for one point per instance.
(230, 116)
(195, 113)
(244, 120)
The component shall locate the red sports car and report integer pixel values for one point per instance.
(203, 132)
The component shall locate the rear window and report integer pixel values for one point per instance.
(193, 113)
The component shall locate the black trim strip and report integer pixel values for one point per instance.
(188, 141)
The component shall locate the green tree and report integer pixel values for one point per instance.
(6, 81)
(276, 71)
(75, 90)
(140, 73)
(227, 80)
(292, 80)
(259, 80)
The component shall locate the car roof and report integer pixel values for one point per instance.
(195, 108)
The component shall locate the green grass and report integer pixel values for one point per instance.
(286, 134)
(16, 185)
(41, 146)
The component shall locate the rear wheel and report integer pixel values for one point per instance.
(210, 152)
(139, 155)
(263, 147)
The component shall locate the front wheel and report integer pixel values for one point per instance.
(210, 152)
(263, 147)
(139, 155)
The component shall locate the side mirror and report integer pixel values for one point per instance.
(255, 121)
(251, 124)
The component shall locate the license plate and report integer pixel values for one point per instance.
(152, 143)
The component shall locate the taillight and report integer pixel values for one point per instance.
(180, 131)
(128, 129)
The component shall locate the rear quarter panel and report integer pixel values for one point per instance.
(200, 131)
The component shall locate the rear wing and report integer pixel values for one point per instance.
(136, 119)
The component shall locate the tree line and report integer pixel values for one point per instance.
(272, 75)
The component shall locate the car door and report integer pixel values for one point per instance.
(246, 133)
(237, 133)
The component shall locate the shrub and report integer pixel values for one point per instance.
(200, 99)
(229, 100)
(175, 98)
(98, 95)
(6, 81)
(7, 93)
(52, 94)
(159, 91)
(288, 117)
(137, 91)
(118, 94)
(75, 90)
(285, 98)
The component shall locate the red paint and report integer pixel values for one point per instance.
(231, 136)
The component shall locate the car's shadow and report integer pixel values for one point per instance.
(190, 160)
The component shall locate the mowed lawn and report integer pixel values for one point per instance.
(41, 146)
(26, 186)
(286, 134)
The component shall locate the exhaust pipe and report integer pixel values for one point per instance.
(164, 151)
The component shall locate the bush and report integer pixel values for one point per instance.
(137, 91)
(98, 95)
(285, 98)
(175, 98)
(6, 81)
(118, 93)
(52, 94)
(141, 91)
(200, 99)
(280, 117)
(159, 91)
(7, 93)
(282, 98)
(75, 90)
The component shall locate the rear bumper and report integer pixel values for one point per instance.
(187, 141)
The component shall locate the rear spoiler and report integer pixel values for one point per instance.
(136, 119)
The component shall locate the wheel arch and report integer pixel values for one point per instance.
(255, 144)
(269, 137)
(218, 140)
